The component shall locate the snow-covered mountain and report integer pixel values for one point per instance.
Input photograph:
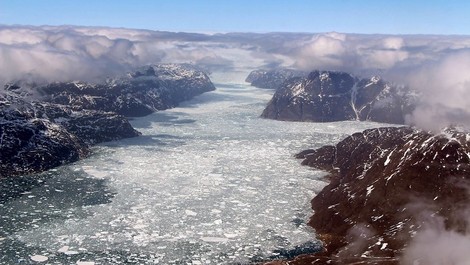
(272, 79)
(45, 126)
(388, 185)
(326, 96)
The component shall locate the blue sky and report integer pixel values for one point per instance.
(349, 16)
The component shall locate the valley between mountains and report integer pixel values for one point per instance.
(163, 166)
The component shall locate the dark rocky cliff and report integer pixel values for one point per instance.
(36, 136)
(45, 126)
(148, 89)
(386, 186)
(326, 96)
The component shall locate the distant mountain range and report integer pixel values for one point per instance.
(52, 124)
(327, 96)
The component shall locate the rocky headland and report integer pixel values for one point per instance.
(327, 96)
(389, 190)
(44, 126)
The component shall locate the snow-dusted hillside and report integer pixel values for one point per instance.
(326, 96)
(139, 93)
(49, 125)
(388, 186)
(36, 136)
(272, 79)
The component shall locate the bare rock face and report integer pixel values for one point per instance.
(272, 79)
(387, 185)
(36, 145)
(151, 88)
(326, 96)
(29, 143)
(36, 136)
(45, 126)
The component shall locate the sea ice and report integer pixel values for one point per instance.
(39, 258)
(208, 181)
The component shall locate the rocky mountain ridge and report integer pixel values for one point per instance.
(327, 96)
(45, 126)
(387, 186)
(272, 79)
(148, 89)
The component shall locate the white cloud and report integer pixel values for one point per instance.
(435, 243)
(435, 65)
(68, 53)
(322, 51)
(393, 43)
(445, 88)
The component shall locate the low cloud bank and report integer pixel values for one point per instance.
(434, 243)
(436, 66)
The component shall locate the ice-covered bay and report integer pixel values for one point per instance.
(208, 182)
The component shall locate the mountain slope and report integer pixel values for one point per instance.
(36, 136)
(148, 89)
(272, 79)
(326, 96)
(45, 126)
(387, 186)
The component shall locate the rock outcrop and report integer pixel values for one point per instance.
(326, 96)
(45, 126)
(272, 79)
(36, 136)
(151, 88)
(387, 187)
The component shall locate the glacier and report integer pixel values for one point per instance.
(208, 182)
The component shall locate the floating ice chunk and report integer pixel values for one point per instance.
(2, 238)
(230, 235)
(190, 213)
(95, 172)
(63, 249)
(218, 222)
(71, 252)
(140, 226)
(39, 258)
(211, 239)
(215, 211)
(85, 263)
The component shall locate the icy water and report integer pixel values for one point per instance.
(208, 182)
